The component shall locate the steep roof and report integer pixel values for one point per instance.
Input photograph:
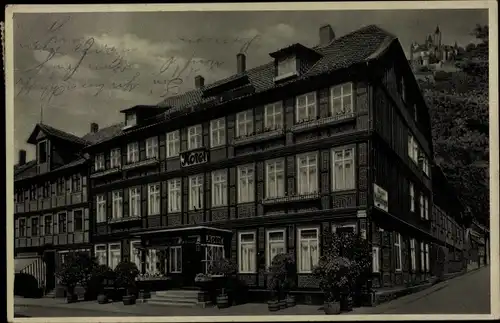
(359, 46)
(53, 132)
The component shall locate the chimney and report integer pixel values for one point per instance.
(199, 81)
(241, 63)
(326, 35)
(22, 157)
(94, 127)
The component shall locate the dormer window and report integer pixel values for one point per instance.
(286, 67)
(42, 152)
(130, 120)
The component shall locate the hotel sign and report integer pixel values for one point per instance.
(380, 198)
(194, 157)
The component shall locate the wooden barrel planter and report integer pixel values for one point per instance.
(273, 306)
(331, 308)
(282, 304)
(290, 301)
(223, 301)
(102, 299)
(128, 299)
(72, 298)
(346, 303)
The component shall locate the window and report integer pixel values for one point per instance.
(47, 225)
(341, 99)
(34, 226)
(135, 254)
(117, 205)
(101, 254)
(426, 208)
(425, 164)
(306, 107)
(218, 132)
(42, 152)
(174, 195)
(46, 190)
(194, 137)
(77, 220)
(60, 186)
(68, 184)
(213, 253)
(412, 149)
(101, 208)
(275, 178)
(244, 123)
(403, 89)
(412, 197)
(422, 210)
(62, 222)
(175, 259)
(413, 255)
(307, 179)
(397, 246)
(308, 253)
(275, 245)
(422, 257)
(22, 227)
(219, 188)
(344, 171)
(152, 264)
(173, 143)
(152, 147)
(375, 259)
(33, 191)
(135, 202)
(76, 182)
(427, 263)
(154, 199)
(196, 192)
(115, 159)
(115, 255)
(287, 66)
(133, 152)
(344, 228)
(99, 162)
(273, 116)
(130, 120)
(246, 184)
(247, 262)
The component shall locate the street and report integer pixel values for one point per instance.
(467, 294)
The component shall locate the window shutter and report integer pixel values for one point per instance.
(142, 150)
(69, 222)
(41, 222)
(56, 221)
(144, 191)
(16, 224)
(125, 202)
(28, 227)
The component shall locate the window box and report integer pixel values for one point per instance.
(291, 199)
(323, 122)
(105, 172)
(258, 137)
(124, 219)
(142, 163)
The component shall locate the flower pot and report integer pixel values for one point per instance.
(128, 300)
(282, 304)
(290, 301)
(71, 298)
(102, 298)
(223, 301)
(331, 308)
(273, 306)
(346, 303)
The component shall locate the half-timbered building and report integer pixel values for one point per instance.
(333, 137)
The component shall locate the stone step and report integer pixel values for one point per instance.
(175, 304)
(170, 299)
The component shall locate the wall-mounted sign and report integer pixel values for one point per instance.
(194, 157)
(215, 240)
(380, 198)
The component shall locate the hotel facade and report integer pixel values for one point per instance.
(332, 138)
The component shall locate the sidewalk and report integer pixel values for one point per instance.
(145, 309)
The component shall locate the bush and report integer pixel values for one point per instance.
(333, 275)
(223, 267)
(126, 273)
(281, 273)
(100, 275)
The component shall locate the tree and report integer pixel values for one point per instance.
(459, 109)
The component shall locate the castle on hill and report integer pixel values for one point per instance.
(432, 51)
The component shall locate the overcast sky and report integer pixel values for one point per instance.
(125, 59)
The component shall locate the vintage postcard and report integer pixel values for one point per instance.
(252, 162)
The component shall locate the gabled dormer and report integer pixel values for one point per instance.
(139, 114)
(54, 147)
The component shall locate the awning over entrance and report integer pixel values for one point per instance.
(22, 263)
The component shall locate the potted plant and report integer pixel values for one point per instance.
(126, 273)
(69, 276)
(226, 269)
(278, 278)
(87, 266)
(333, 274)
(100, 278)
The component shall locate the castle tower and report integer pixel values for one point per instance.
(437, 39)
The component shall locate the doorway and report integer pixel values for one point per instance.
(49, 257)
(191, 262)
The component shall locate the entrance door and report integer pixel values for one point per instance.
(49, 257)
(191, 262)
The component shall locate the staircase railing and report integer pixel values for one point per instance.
(38, 270)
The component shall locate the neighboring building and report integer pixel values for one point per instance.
(330, 138)
(432, 52)
(478, 240)
(448, 225)
(51, 209)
